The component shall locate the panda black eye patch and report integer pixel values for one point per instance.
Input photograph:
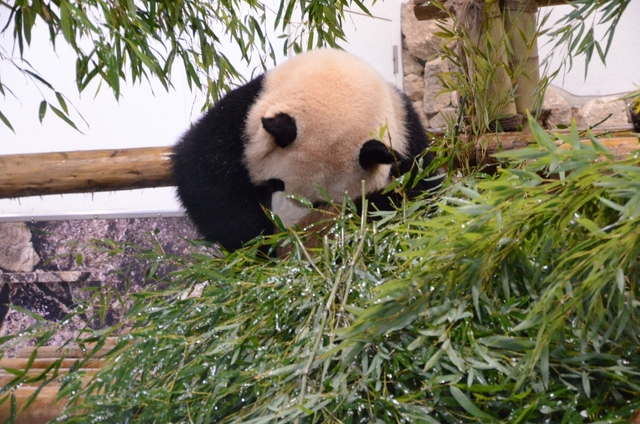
(274, 185)
(282, 127)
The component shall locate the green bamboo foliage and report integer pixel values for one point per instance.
(513, 299)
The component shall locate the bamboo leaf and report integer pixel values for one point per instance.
(6, 121)
(469, 406)
(42, 110)
(64, 117)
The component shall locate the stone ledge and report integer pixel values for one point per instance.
(44, 277)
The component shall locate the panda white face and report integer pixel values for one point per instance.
(308, 127)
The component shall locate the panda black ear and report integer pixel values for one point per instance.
(375, 152)
(282, 127)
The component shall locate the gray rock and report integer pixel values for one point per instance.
(419, 38)
(559, 107)
(433, 101)
(411, 65)
(594, 111)
(414, 87)
(16, 250)
(444, 117)
(79, 258)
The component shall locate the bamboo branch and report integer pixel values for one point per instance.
(84, 171)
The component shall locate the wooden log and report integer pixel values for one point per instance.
(84, 171)
(42, 363)
(424, 10)
(6, 378)
(89, 171)
(620, 147)
(72, 351)
(489, 144)
(43, 409)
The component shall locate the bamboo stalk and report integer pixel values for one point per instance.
(491, 40)
(486, 58)
(84, 171)
(521, 28)
(611, 131)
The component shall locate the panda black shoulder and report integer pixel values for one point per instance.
(209, 153)
(418, 143)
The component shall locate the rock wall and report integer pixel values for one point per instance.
(49, 267)
(421, 67)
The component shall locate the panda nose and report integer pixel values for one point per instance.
(274, 185)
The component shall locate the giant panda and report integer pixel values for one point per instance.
(309, 127)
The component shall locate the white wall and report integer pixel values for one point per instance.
(622, 70)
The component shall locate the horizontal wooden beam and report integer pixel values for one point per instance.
(47, 406)
(425, 10)
(108, 170)
(620, 147)
(84, 171)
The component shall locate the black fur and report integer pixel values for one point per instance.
(282, 127)
(417, 143)
(375, 152)
(212, 183)
(274, 185)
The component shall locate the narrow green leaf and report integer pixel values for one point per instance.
(586, 385)
(65, 22)
(591, 226)
(612, 205)
(620, 280)
(64, 117)
(469, 406)
(6, 122)
(42, 110)
(151, 63)
(544, 366)
(62, 103)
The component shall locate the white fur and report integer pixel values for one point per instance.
(289, 210)
(338, 102)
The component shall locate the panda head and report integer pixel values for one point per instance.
(314, 128)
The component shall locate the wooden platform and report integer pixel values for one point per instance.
(46, 406)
